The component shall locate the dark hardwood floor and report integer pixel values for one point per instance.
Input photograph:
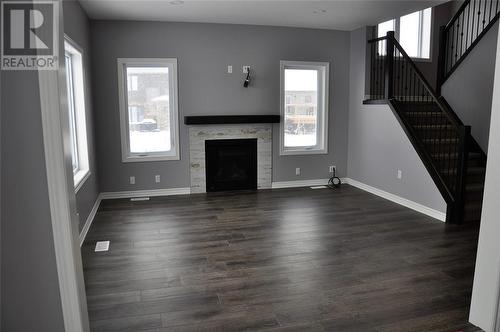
(279, 260)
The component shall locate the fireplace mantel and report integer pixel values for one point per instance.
(230, 119)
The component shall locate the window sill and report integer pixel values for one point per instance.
(140, 159)
(302, 152)
(421, 59)
(79, 179)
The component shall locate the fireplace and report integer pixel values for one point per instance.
(231, 164)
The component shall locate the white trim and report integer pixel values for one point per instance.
(80, 181)
(146, 193)
(174, 153)
(399, 200)
(79, 88)
(69, 270)
(89, 220)
(323, 69)
(299, 183)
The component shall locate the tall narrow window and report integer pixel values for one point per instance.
(76, 112)
(413, 32)
(304, 107)
(148, 109)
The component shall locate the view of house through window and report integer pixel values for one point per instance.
(303, 107)
(149, 109)
(413, 32)
(76, 112)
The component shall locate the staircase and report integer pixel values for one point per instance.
(454, 160)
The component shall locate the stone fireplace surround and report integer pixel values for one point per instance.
(200, 133)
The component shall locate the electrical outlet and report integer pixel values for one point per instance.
(157, 179)
(246, 69)
(229, 69)
(333, 168)
(132, 180)
(297, 171)
(400, 174)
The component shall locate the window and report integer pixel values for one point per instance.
(413, 32)
(76, 112)
(148, 109)
(304, 107)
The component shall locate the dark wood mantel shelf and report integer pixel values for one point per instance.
(230, 119)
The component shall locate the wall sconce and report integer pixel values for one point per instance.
(247, 80)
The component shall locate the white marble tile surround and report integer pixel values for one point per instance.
(200, 133)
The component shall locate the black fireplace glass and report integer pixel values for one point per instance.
(231, 164)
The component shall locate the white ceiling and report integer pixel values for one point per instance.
(340, 15)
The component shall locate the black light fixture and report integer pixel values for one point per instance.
(247, 80)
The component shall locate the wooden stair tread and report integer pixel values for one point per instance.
(474, 187)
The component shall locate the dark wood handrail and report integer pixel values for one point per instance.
(395, 78)
(450, 115)
(463, 32)
(435, 174)
(457, 14)
(431, 91)
(471, 46)
(374, 40)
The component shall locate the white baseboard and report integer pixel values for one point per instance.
(89, 220)
(146, 193)
(300, 183)
(399, 200)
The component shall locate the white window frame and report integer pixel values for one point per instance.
(397, 27)
(174, 153)
(76, 101)
(321, 146)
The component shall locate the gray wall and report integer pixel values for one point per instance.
(203, 52)
(77, 27)
(378, 146)
(469, 89)
(485, 292)
(30, 289)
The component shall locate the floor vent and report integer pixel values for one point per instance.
(102, 246)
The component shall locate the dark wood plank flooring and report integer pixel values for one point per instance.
(279, 260)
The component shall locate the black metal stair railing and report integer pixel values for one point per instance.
(439, 137)
(470, 23)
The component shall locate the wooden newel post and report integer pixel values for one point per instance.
(389, 65)
(464, 137)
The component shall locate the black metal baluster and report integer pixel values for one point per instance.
(452, 52)
(456, 42)
(396, 69)
(478, 18)
(462, 49)
(468, 23)
(484, 13)
(473, 22)
(372, 82)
